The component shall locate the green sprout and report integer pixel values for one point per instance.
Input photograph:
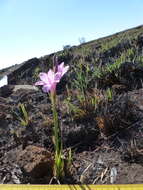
(22, 115)
(109, 94)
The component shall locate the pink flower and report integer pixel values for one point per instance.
(49, 80)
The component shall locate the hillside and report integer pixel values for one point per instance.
(122, 47)
(100, 110)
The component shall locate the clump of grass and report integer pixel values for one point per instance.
(25, 120)
(22, 115)
(140, 60)
(109, 44)
(79, 108)
(115, 115)
(82, 78)
(110, 68)
(73, 110)
(131, 54)
(109, 94)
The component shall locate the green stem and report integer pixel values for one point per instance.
(57, 140)
(56, 129)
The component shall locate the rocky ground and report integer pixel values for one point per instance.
(26, 154)
(105, 136)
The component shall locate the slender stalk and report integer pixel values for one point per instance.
(56, 123)
(57, 139)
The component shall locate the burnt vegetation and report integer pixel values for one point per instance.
(100, 108)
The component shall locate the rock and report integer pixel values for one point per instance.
(25, 95)
(6, 91)
(23, 74)
(36, 161)
(25, 87)
(13, 93)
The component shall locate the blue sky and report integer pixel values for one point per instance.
(34, 28)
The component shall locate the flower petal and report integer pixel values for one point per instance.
(60, 67)
(39, 83)
(43, 77)
(46, 88)
(65, 69)
(51, 76)
(58, 77)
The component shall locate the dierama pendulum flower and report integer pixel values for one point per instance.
(49, 82)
